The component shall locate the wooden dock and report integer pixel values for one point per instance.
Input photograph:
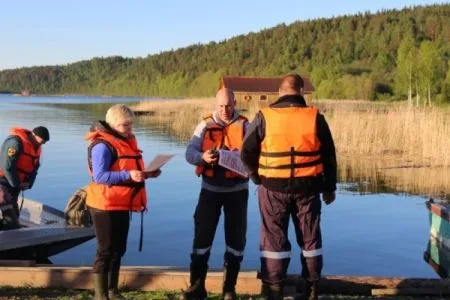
(175, 279)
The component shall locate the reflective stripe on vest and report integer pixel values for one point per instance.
(290, 147)
(28, 158)
(218, 137)
(126, 196)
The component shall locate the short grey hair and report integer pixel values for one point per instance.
(118, 113)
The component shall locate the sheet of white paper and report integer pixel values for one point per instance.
(232, 161)
(159, 161)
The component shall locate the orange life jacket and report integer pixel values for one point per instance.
(290, 147)
(126, 196)
(219, 137)
(28, 159)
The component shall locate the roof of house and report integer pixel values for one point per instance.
(259, 84)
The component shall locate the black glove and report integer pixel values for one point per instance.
(214, 152)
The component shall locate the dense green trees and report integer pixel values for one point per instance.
(389, 55)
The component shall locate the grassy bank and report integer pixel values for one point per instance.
(7, 293)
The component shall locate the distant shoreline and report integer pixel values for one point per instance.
(141, 98)
(138, 98)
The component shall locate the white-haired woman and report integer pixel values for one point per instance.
(117, 188)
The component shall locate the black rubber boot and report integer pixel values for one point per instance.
(196, 291)
(230, 275)
(199, 268)
(113, 289)
(101, 286)
(311, 291)
(229, 296)
(274, 291)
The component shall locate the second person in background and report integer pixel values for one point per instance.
(289, 151)
(221, 188)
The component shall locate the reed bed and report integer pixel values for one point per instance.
(409, 147)
(417, 137)
(393, 176)
(180, 117)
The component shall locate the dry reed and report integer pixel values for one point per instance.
(409, 147)
(391, 175)
(418, 137)
(180, 117)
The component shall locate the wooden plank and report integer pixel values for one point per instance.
(147, 279)
(175, 279)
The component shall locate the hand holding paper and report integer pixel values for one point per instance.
(210, 156)
(137, 176)
(232, 161)
(152, 174)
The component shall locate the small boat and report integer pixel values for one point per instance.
(438, 248)
(43, 233)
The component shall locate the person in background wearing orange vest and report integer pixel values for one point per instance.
(289, 151)
(117, 188)
(19, 162)
(221, 188)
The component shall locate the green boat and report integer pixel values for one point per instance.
(438, 249)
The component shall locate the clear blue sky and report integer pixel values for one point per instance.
(49, 32)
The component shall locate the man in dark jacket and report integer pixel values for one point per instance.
(289, 151)
(19, 163)
(222, 189)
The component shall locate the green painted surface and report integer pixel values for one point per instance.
(440, 226)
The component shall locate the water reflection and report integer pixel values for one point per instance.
(371, 176)
(438, 258)
(437, 254)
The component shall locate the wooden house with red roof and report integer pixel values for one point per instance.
(260, 88)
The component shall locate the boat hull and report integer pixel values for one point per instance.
(437, 254)
(44, 233)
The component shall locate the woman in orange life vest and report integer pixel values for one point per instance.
(117, 187)
(19, 162)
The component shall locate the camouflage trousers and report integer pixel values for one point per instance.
(9, 209)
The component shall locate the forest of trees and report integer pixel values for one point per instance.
(393, 54)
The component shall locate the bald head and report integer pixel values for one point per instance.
(225, 104)
(225, 93)
(291, 84)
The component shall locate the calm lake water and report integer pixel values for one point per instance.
(377, 234)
